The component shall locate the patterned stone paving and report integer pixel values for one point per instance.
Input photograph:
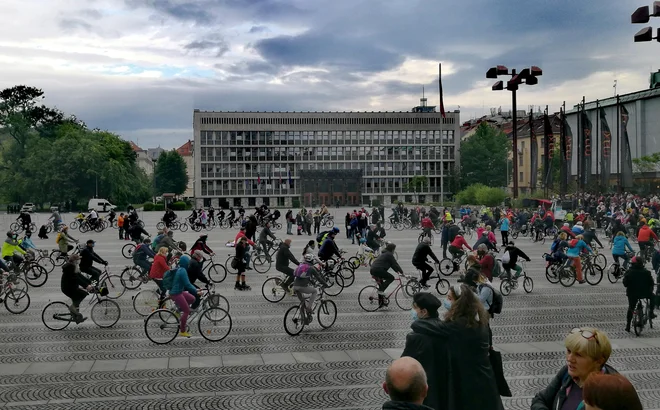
(260, 367)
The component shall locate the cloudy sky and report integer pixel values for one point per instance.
(139, 67)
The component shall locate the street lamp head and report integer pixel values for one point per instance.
(536, 71)
(640, 16)
(511, 85)
(498, 86)
(644, 35)
(491, 73)
(502, 70)
(531, 80)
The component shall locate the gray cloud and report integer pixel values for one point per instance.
(215, 47)
(258, 29)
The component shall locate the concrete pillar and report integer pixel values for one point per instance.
(288, 202)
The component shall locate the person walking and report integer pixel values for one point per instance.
(289, 222)
(504, 230)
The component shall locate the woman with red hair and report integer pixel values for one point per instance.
(610, 392)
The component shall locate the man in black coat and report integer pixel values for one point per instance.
(282, 259)
(88, 257)
(195, 272)
(405, 383)
(422, 252)
(639, 285)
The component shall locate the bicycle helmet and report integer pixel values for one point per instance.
(309, 258)
(335, 230)
(203, 237)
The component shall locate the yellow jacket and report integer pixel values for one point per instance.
(9, 247)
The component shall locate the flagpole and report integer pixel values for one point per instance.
(618, 143)
(531, 151)
(440, 108)
(596, 145)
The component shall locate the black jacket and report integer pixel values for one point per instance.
(384, 262)
(554, 396)
(638, 282)
(328, 249)
(72, 279)
(251, 227)
(283, 257)
(514, 254)
(456, 362)
(88, 257)
(422, 252)
(195, 272)
(402, 405)
(372, 239)
(452, 232)
(590, 236)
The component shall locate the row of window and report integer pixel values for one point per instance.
(325, 137)
(422, 119)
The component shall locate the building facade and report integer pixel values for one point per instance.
(186, 151)
(143, 160)
(288, 159)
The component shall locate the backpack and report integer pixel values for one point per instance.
(498, 301)
(554, 245)
(156, 241)
(320, 236)
(497, 268)
(59, 237)
(301, 270)
(506, 258)
(168, 279)
(573, 243)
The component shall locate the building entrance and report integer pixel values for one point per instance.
(340, 187)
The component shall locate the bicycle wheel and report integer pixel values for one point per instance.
(83, 228)
(354, 262)
(261, 264)
(230, 270)
(15, 227)
(348, 276)
(74, 224)
(326, 313)
(127, 250)
(566, 277)
(131, 277)
(446, 267)
(402, 299)
(105, 313)
(412, 286)
(552, 273)
(442, 287)
(183, 227)
(638, 320)
(214, 324)
(399, 226)
(56, 316)
(56, 257)
(387, 226)
(505, 288)
(420, 238)
(114, 286)
(47, 263)
(294, 320)
(514, 235)
(160, 225)
(601, 261)
(36, 275)
(145, 302)
(329, 223)
(216, 273)
(613, 273)
(272, 290)
(336, 283)
(368, 298)
(528, 284)
(17, 301)
(162, 326)
(593, 275)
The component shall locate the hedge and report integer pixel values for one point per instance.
(179, 206)
(159, 207)
(148, 206)
(479, 194)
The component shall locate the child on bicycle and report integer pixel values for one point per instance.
(639, 285)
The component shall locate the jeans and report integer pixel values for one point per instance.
(311, 291)
(183, 301)
(145, 265)
(93, 272)
(289, 225)
(161, 289)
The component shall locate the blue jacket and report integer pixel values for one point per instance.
(181, 281)
(620, 245)
(575, 251)
(504, 227)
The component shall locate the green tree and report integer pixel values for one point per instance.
(484, 157)
(417, 183)
(170, 174)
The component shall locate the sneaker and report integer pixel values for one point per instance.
(582, 281)
(246, 287)
(80, 319)
(185, 334)
(628, 328)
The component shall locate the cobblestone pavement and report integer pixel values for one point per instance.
(260, 367)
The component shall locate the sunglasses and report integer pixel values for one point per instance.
(587, 334)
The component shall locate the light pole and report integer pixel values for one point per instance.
(526, 76)
(642, 16)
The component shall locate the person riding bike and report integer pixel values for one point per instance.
(456, 247)
(590, 236)
(182, 293)
(324, 235)
(26, 220)
(306, 274)
(11, 250)
(372, 239)
(379, 269)
(427, 226)
(639, 285)
(619, 245)
(93, 218)
(87, 259)
(201, 245)
(575, 248)
(62, 240)
(512, 263)
(195, 272)
(265, 244)
(136, 231)
(142, 254)
(422, 252)
(483, 240)
(57, 220)
(646, 238)
(329, 248)
(75, 285)
(282, 259)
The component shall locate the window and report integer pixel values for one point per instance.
(520, 159)
(521, 177)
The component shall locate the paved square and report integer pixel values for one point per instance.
(259, 366)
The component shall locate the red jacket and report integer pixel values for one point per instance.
(240, 235)
(459, 242)
(487, 263)
(568, 231)
(159, 267)
(645, 234)
(427, 223)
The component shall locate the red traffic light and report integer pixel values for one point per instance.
(640, 16)
(498, 86)
(644, 35)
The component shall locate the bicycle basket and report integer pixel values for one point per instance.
(214, 300)
(103, 291)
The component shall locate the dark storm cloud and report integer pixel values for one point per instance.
(258, 29)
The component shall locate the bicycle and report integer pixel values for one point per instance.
(552, 268)
(441, 286)
(132, 277)
(510, 282)
(272, 289)
(369, 300)
(593, 274)
(641, 315)
(600, 260)
(213, 322)
(105, 313)
(423, 235)
(449, 266)
(328, 221)
(35, 274)
(297, 317)
(112, 282)
(13, 293)
(18, 226)
(616, 271)
(362, 259)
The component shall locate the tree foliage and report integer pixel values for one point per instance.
(647, 163)
(417, 183)
(50, 158)
(170, 173)
(484, 158)
(480, 194)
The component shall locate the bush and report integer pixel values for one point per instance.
(375, 203)
(468, 196)
(148, 206)
(179, 206)
(159, 207)
(490, 196)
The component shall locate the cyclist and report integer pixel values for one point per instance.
(329, 248)
(158, 269)
(135, 231)
(265, 244)
(169, 217)
(11, 250)
(372, 239)
(486, 261)
(309, 247)
(485, 241)
(578, 229)
(27, 244)
(221, 216)
(62, 240)
(619, 246)
(87, 259)
(231, 217)
(567, 229)
(590, 236)
(306, 274)
(93, 218)
(456, 247)
(645, 238)
(423, 251)
(427, 226)
(183, 293)
(241, 259)
(557, 249)
(111, 216)
(639, 285)
(201, 245)
(195, 271)
(74, 285)
(575, 248)
(57, 220)
(513, 253)
(379, 269)
(142, 254)
(26, 220)
(168, 242)
(192, 218)
(282, 259)
(324, 235)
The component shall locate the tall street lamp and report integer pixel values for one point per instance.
(526, 76)
(642, 16)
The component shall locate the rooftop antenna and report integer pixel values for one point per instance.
(615, 84)
(423, 100)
